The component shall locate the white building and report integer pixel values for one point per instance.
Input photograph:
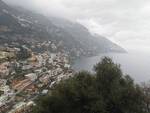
(3, 99)
(31, 76)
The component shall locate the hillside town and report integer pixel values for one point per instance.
(26, 74)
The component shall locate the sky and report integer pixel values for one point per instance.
(126, 22)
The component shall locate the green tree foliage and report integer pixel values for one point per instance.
(146, 92)
(108, 91)
(24, 53)
(120, 93)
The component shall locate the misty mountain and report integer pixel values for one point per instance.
(26, 27)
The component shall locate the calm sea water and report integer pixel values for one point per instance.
(134, 63)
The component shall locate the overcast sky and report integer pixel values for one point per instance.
(126, 22)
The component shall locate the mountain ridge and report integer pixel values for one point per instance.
(32, 27)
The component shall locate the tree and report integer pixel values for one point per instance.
(146, 92)
(24, 53)
(108, 91)
(76, 95)
(120, 93)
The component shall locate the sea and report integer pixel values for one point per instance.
(133, 63)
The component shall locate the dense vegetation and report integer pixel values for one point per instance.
(108, 91)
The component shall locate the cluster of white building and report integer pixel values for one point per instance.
(42, 72)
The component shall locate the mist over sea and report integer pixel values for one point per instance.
(134, 63)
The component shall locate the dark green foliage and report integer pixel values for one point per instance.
(120, 93)
(76, 95)
(106, 92)
(24, 53)
(146, 100)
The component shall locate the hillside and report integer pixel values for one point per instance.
(25, 27)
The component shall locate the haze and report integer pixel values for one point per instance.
(125, 22)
